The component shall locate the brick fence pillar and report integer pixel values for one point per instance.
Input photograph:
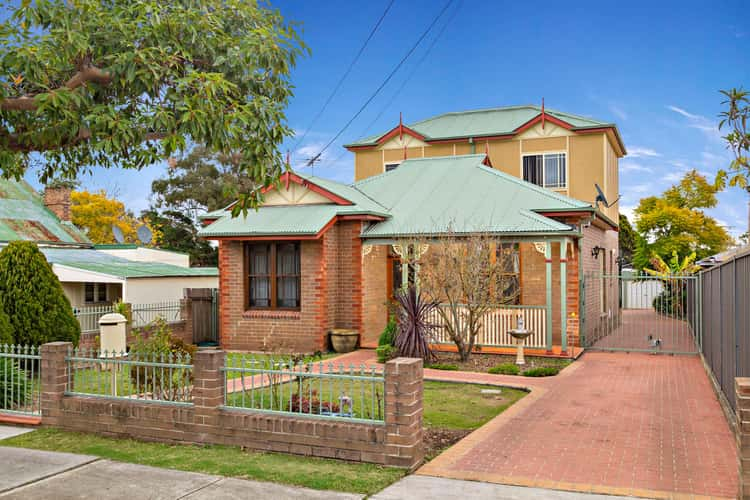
(742, 399)
(403, 412)
(208, 390)
(54, 376)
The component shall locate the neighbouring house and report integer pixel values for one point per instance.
(320, 254)
(94, 274)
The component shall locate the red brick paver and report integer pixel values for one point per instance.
(621, 423)
(637, 325)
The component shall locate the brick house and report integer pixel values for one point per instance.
(320, 254)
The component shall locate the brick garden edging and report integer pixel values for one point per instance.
(396, 442)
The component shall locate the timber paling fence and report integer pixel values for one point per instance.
(725, 317)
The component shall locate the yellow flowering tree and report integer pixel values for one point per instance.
(96, 213)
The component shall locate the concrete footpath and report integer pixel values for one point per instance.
(33, 474)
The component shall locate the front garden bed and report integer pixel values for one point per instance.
(483, 363)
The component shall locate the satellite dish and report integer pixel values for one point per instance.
(601, 198)
(117, 232)
(144, 234)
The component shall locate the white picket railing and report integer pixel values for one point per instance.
(496, 323)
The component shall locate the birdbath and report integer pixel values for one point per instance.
(520, 333)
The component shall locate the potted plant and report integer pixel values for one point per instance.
(344, 340)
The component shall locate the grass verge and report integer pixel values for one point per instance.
(451, 411)
(316, 473)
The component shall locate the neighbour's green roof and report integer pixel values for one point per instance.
(429, 195)
(23, 216)
(100, 262)
(426, 196)
(485, 122)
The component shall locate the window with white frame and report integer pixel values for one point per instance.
(546, 170)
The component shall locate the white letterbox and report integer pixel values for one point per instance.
(112, 334)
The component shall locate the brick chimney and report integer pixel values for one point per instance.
(57, 199)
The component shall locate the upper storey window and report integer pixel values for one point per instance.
(546, 170)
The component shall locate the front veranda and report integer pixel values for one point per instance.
(546, 277)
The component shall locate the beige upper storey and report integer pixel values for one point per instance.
(591, 157)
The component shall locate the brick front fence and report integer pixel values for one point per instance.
(396, 442)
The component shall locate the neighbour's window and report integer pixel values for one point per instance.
(510, 279)
(546, 170)
(273, 275)
(95, 292)
(392, 166)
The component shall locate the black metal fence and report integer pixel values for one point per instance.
(725, 314)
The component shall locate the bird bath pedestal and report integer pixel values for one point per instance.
(520, 333)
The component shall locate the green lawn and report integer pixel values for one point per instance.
(456, 408)
(449, 405)
(266, 361)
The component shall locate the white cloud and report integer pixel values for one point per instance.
(641, 152)
(629, 166)
(699, 122)
(683, 112)
(629, 212)
(618, 112)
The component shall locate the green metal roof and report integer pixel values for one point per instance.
(23, 216)
(425, 196)
(485, 122)
(428, 196)
(100, 262)
(304, 220)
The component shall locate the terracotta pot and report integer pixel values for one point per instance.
(344, 340)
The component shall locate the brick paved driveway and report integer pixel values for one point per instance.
(618, 423)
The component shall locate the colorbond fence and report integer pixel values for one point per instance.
(725, 317)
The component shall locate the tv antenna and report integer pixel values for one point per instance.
(600, 198)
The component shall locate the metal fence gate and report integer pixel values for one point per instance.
(641, 313)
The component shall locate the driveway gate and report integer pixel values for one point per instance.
(641, 313)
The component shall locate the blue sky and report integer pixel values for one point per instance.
(654, 68)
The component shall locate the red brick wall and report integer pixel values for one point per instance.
(594, 319)
(374, 294)
(331, 275)
(397, 441)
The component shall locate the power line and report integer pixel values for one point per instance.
(413, 71)
(387, 79)
(408, 78)
(346, 74)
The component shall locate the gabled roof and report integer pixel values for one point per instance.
(302, 220)
(100, 262)
(504, 121)
(23, 216)
(426, 196)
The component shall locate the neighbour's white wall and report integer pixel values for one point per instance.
(149, 290)
(142, 254)
(75, 292)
